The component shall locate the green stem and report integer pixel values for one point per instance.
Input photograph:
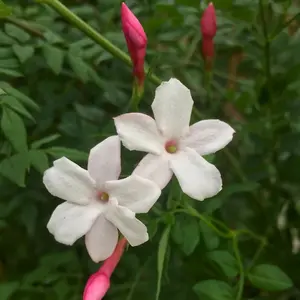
(193, 212)
(266, 45)
(93, 34)
(257, 253)
(235, 245)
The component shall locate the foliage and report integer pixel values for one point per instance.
(59, 90)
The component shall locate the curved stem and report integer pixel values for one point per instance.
(193, 212)
(93, 34)
(241, 267)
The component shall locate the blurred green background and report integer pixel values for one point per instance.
(58, 93)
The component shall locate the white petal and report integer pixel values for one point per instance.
(68, 181)
(172, 108)
(155, 168)
(133, 229)
(105, 160)
(197, 178)
(208, 136)
(139, 132)
(101, 240)
(69, 222)
(134, 192)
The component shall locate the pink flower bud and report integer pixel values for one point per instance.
(136, 40)
(208, 23)
(99, 283)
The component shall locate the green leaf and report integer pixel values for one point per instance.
(54, 58)
(11, 73)
(17, 106)
(14, 92)
(5, 39)
(214, 290)
(14, 129)
(16, 32)
(39, 160)
(4, 10)
(162, 250)
(23, 52)
(269, 278)
(186, 233)
(10, 63)
(72, 154)
(45, 140)
(78, 65)
(211, 239)
(14, 168)
(7, 289)
(226, 261)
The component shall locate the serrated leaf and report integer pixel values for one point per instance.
(14, 168)
(214, 290)
(39, 160)
(72, 154)
(17, 94)
(80, 68)
(211, 239)
(16, 32)
(46, 140)
(17, 106)
(7, 289)
(23, 52)
(161, 254)
(14, 129)
(54, 58)
(269, 278)
(226, 261)
(186, 233)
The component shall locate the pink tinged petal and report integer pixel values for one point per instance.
(172, 108)
(101, 239)
(134, 192)
(197, 178)
(96, 287)
(155, 168)
(139, 132)
(105, 160)
(132, 28)
(68, 181)
(208, 136)
(132, 229)
(69, 222)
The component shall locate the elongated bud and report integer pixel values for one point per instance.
(99, 283)
(208, 23)
(136, 40)
(208, 27)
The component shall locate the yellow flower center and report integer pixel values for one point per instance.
(171, 146)
(103, 197)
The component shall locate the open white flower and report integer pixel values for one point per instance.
(97, 204)
(173, 146)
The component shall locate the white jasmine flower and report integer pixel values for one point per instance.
(97, 204)
(173, 146)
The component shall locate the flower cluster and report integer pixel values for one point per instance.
(98, 205)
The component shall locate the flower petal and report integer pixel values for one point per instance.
(172, 108)
(208, 136)
(133, 229)
(197, 178)
(155, 168)
(105, 160)
(101, 240)
(139, 132)
(134, 192)
(68, 181)
(69, 222)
